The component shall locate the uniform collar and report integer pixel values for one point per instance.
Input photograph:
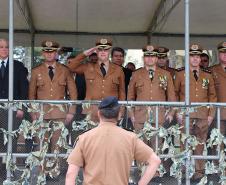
(54, 65)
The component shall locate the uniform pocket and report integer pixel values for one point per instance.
(89, 77)
(63, 83)
(40, 83)
(139, 86)
(115, 81)
(115, 84)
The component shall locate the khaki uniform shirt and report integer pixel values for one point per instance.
(219, 76)
(97, 86)
(106, 154)
(202, 90)
(141, 88)
(42, 88)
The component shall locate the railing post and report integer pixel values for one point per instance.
(187, 89)
(10, 82)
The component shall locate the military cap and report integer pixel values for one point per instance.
(49, 46)
(104, 43)
(162, 51)
(150, 50)
(109, 102)
(204, 55)
(195, 49)
(222, 46)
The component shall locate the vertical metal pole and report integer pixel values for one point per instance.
(218, 127)
(187, 90)
(10, 97)
(157, 126)
(32, 49)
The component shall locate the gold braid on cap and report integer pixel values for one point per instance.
(103, 41)
(49, 44)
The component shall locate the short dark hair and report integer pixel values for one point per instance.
(131, 63)
(119, 50)
(110, 113)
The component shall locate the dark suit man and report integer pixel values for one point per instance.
(20, 88)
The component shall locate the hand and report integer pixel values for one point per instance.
(34, 115)
(179, 118)
(19, 114)
(88, 52)
(169, 118)
(68, 118)
(133, 120)
(209, 120)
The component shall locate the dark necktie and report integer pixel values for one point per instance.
(195, 75)
(151, 74)
(103, 71)
(51, 74)
(3, 69)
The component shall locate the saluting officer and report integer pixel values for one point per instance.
(163, 60)
(102, 78)
(150, 83)
(201, 90)
(49, 81)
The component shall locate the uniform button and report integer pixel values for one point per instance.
(103, 80)
(151, 98)
(151, 91)
(51, 89)
(103, 92)
(196, 95)
(51, 95)
(196, 89)
(102, 85)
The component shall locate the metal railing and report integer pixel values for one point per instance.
(184, 156)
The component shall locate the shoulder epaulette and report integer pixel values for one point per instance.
(206, 70)
(139, 69)
(180, 69)
(37, 66)
(64, 65)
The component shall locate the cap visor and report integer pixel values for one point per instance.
(104, 46)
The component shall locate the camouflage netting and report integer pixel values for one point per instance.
(37, 163)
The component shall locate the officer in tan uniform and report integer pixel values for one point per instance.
(49, 81)
(106, 152)
(219, 76)
(102, 78)
(163, 60)
(150, 83)
(201, 90)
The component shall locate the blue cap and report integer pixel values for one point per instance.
(109, 102)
